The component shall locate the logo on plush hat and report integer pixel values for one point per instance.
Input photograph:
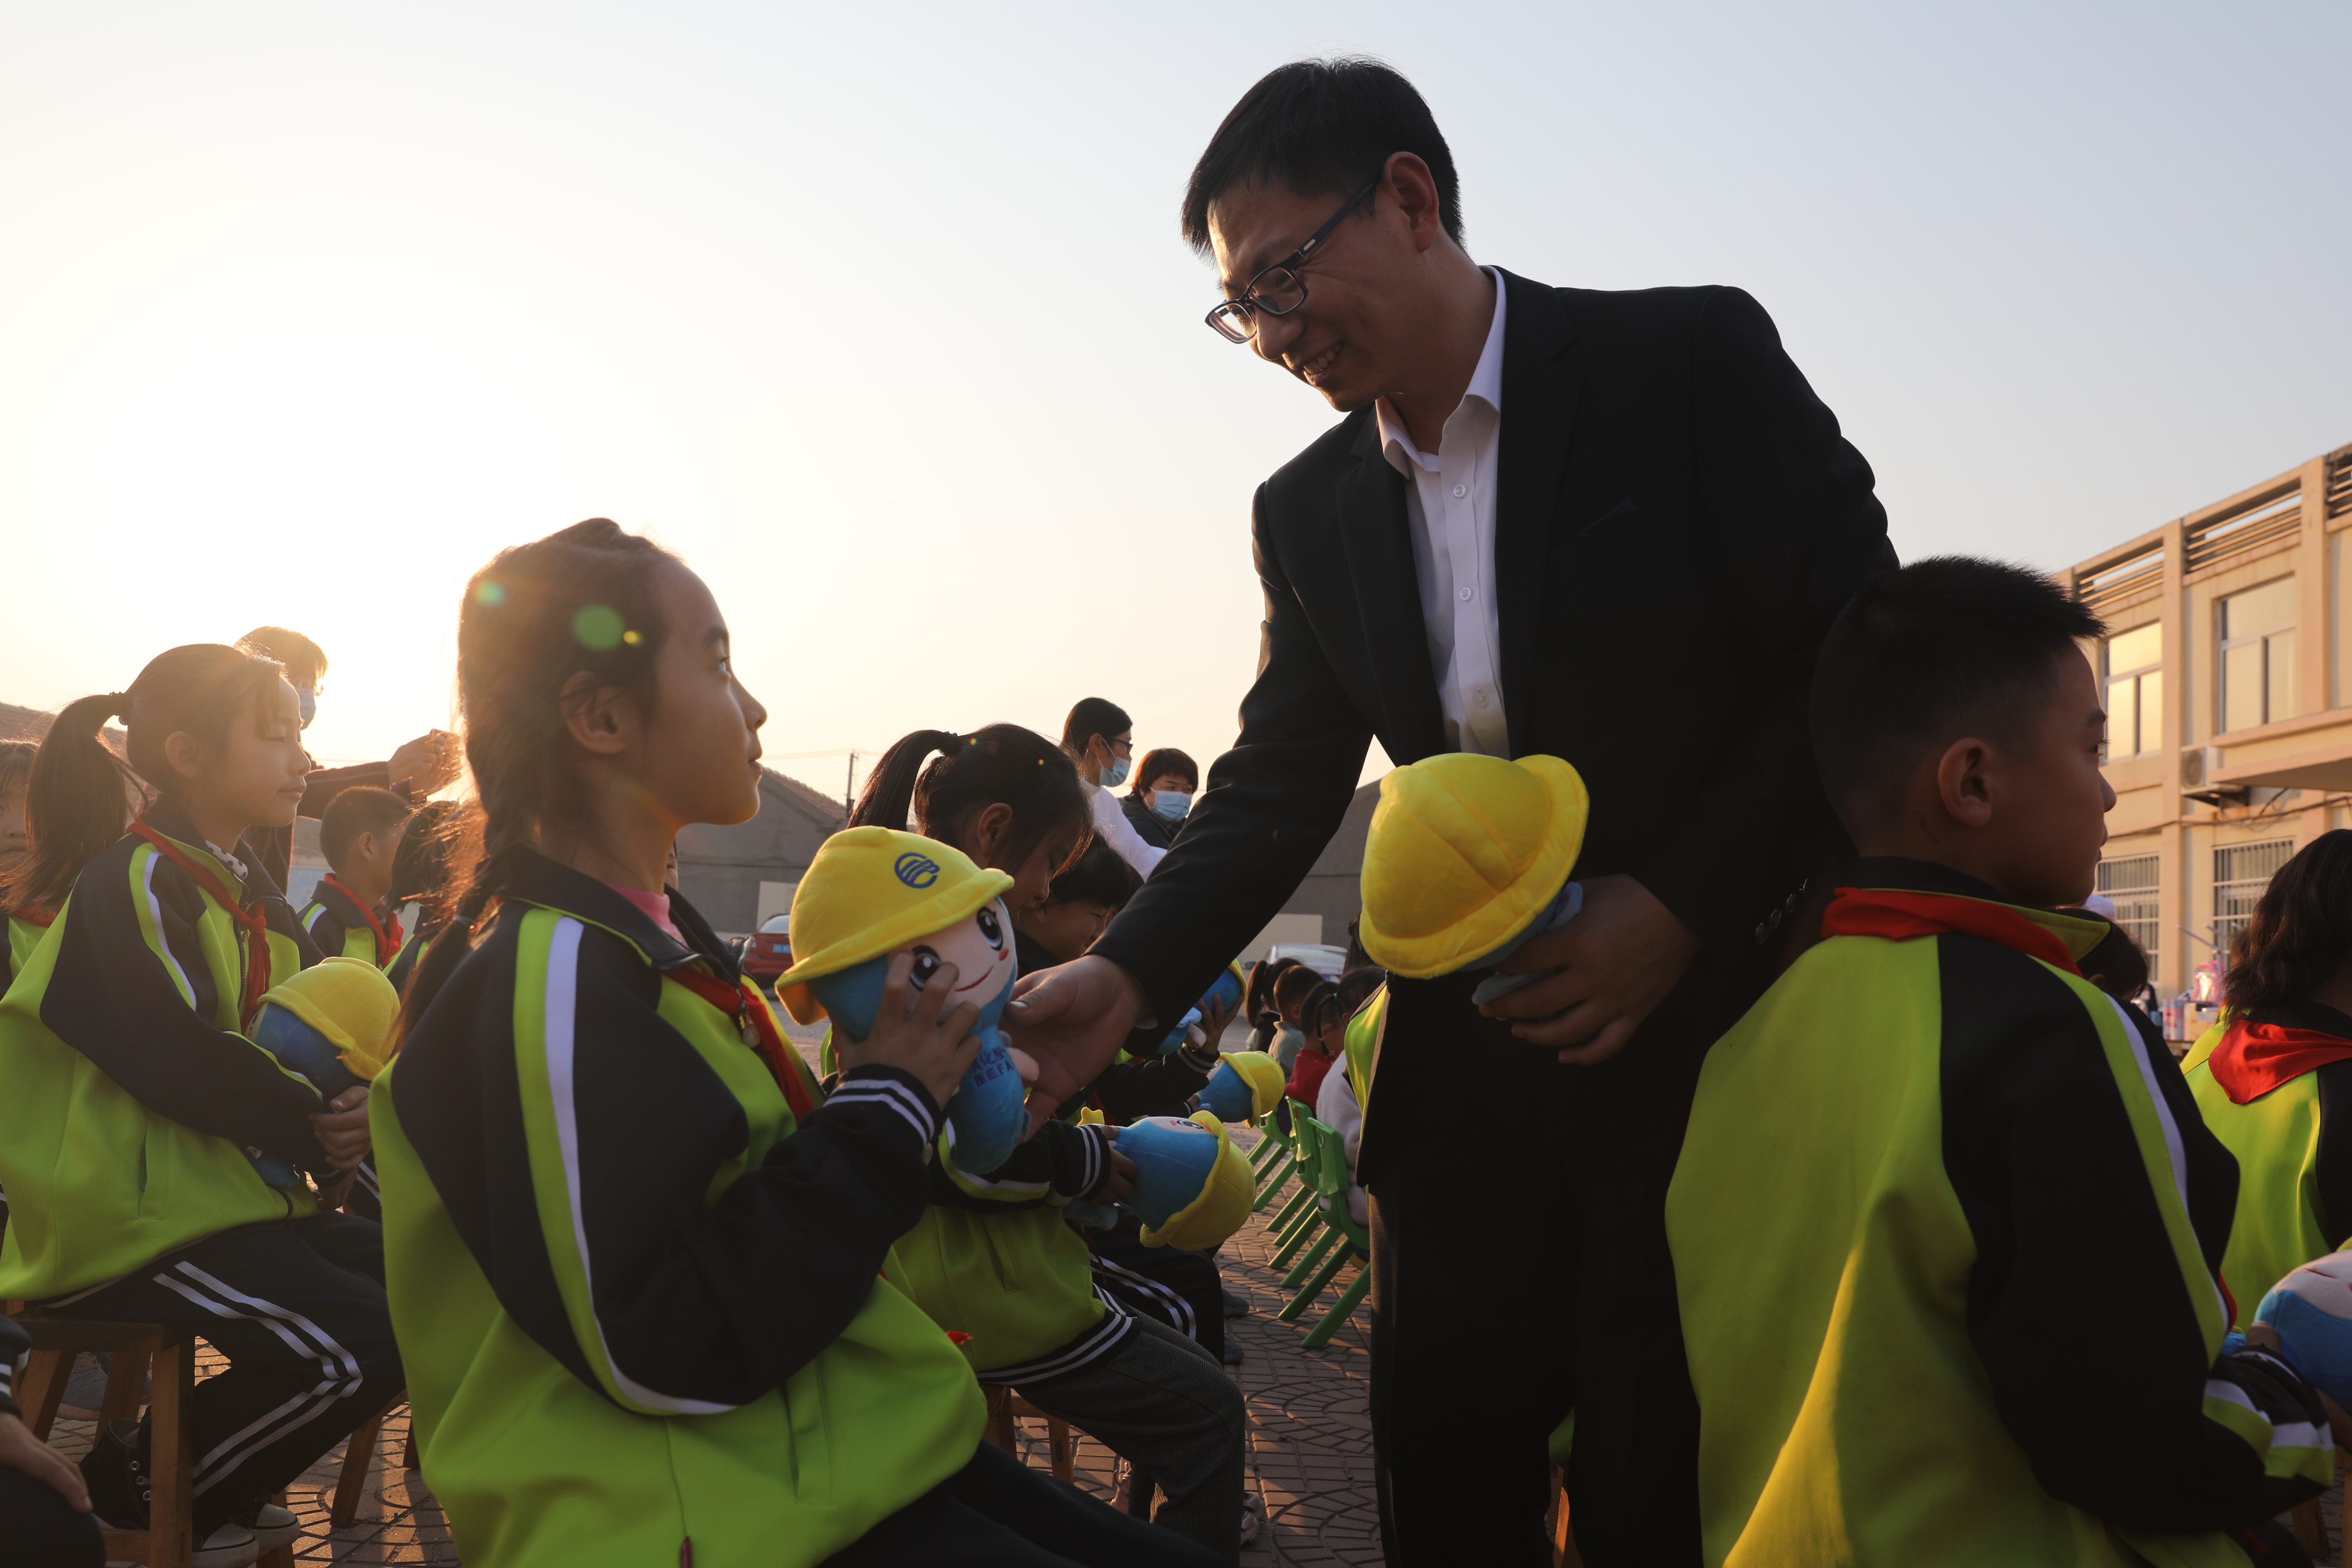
(916, 870)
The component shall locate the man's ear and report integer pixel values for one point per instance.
(1963, 782)
(601, 719)
(184, 752)
(1408, 182)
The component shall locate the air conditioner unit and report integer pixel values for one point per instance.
(2198, 765)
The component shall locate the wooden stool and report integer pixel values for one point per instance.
(135, 1347)
(1005, 1407)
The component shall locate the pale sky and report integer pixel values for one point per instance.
(878, 315)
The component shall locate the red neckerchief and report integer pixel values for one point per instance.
(34, 915)
(387, 939)
(2251, 1059)
(247, 915)
(754, 1020)
(1897, 914)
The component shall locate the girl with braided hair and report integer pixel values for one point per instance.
(135, 1093)
(643, 1274)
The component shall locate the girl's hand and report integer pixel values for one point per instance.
(20, 1450)
(342, 1128)
(909, 1034)
(1117, 1182)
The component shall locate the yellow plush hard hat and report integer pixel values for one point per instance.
(1464, 851)
(1224, 1204)
(350, 1002)
(869, 891)
(1263, 1074)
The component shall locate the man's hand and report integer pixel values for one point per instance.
(342, 1128)
(427, 762)
(1617, 960)
(20, 1450)
(909, 1035)
(1073, 1018)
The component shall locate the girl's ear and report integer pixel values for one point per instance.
(985, 832)
(185, 754)
(601, 719)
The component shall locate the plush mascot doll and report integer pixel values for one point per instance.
(330, 1024)
(872, 894)
(2311, 1311)
(1192, 1187)
(1468, 858)
(1222, 999)
(1245, 1085)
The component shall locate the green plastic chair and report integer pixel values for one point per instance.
(1327, 1166)
(1285, 1165)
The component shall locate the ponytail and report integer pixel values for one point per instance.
(997, 763)
(583, 600)
(82, 793)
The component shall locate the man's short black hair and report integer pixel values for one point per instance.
(354, 812)
(1947, 646)
(1321, 127)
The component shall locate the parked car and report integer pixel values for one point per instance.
(769, 951)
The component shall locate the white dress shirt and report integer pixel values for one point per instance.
(1113, 828)
(1451, 506)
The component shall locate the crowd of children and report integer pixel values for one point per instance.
(1960, 1250)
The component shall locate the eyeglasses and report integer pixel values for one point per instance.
(1279, 290)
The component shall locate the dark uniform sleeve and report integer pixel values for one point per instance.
(13, 1342)
(1059, 1161)
(1152, 1085)
(2331, 1172)
(697, 1307)
(132, 992)
(2097, 1243)
(1791, 526)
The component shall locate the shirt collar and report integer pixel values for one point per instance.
(550, 885)
(1485, 385)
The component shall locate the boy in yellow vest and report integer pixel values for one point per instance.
(1946, 1226)
(348, 915)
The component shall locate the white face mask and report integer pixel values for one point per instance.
(307, 700)
(1115, 774)
(1169, 805)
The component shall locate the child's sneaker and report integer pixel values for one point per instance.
(120, 1489)
(272, 1525)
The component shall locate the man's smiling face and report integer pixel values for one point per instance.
(1344, 340)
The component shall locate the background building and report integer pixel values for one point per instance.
(739, 876)
(2229, 693)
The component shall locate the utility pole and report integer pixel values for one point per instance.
(849, 789)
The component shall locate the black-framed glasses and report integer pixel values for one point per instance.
(1279, 290)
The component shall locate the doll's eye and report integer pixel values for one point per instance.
(991, 928)
(927, 963)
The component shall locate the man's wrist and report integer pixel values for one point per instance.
(1139, 1003)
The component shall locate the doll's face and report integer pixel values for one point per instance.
(980, 948)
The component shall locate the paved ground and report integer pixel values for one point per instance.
(1310, 1450)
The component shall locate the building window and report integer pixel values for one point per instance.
(2135, 690)
(2258, 656)
(2130, 882)
(2241, 872)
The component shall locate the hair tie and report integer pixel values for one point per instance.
(119, 705)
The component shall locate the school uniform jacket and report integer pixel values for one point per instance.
(2294, 1147)
(339, 926)
(638, 1300)
(131, 1096)
(992, 1259)
(1945, 1231)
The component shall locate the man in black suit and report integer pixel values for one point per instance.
(1608, 527)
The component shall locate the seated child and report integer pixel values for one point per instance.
(1324, 1027)
(135, 1089)
(1257, 1002)
(1944, 1226)
(1346, 1094)
(2272, 1076)
(359, 835)
(421, 875)
(644, 1278)
(1289, 996)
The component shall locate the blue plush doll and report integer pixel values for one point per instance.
(871, 894)
(2311, 1311)
(330, 1023)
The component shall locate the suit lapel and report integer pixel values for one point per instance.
(1540, 385)
(1376, 533)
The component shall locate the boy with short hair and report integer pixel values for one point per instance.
(1946, 1226)
(360, 837)
(1290, 992)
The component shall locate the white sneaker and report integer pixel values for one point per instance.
(230, 1546)
(273, 1526)
(1251, 1520)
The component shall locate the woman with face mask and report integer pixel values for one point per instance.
(1100, 739)
(1165, 782)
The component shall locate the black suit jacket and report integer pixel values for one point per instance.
(1677, 523)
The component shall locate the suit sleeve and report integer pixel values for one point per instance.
(1791, 528)
(576, 1147)
(2095, 1195)
(132, 992)
(320, 787)
(1272, 804)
